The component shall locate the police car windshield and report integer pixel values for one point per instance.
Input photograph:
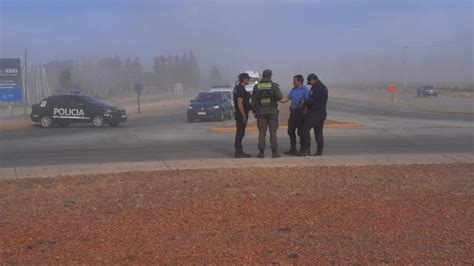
(209, 97)
(93, 100)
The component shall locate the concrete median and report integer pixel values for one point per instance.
(330, 160)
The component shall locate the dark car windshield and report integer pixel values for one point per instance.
(209, 97)
(93, 100)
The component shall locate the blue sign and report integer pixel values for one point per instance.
(11, 88)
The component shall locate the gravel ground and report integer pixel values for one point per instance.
(365, 214)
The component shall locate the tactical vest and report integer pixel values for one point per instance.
(265, 94)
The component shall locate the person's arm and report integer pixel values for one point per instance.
(321, 97)
(254, 99)
(306, 93)
(310, 100)
(240, 106)
(288, 97)
(277, 91)
(285, 99)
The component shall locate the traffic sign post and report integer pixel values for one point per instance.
(392, 89)
(138, 90)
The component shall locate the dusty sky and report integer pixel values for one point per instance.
(340, 39)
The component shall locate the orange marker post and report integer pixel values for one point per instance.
(392, 89)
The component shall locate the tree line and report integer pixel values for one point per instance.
(116, 76)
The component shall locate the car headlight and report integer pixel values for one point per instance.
(107, 110)
(216, 107)
(190, 107)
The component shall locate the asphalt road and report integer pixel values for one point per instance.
(386, 131)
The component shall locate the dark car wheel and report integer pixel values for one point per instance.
(190, 118)
(114, 124)
(98, 120)
(46, 121)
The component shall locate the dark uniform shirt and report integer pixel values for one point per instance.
(241, 92)
(318, 98)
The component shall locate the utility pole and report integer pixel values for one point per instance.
(138, 90)
(406, 66)
(26, 81)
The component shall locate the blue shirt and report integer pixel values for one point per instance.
(298, 96)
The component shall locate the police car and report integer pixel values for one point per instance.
(67, 109)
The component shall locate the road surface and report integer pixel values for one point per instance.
(385, 130)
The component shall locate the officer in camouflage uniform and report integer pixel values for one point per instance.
(265, 97)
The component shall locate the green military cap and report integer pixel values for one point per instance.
(267, 73)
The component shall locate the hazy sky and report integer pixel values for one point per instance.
(235, 34)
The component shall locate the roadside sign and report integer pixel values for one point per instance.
(11, 88)
(392, 88)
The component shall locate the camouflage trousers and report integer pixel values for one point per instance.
(269, 121)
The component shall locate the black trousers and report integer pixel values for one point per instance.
(316, 122)
(295, 126)
(239, 133)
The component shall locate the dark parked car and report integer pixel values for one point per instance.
(67, 109)
(426, 91)
(210, 105)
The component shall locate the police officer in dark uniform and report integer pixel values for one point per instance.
(316, 106)
(242, 108)
(265, 97)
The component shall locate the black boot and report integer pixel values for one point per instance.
(319, 153)
(246, 155)
(302, 153)
(261, 154)
(275, 154)
(291, 151)
(239, 153)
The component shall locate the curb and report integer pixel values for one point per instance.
(311, 161)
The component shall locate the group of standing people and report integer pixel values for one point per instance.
(307, 111)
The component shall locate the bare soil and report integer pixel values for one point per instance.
(360, 215)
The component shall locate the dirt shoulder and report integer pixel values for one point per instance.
(358, 214)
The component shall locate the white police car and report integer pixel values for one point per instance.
(66, 109)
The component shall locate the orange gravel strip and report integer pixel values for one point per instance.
(15, 126)
(413, 214)
(252, 126)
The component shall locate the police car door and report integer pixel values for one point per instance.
(60, 108)
(79, 109)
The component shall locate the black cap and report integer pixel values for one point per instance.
(267, 73)
(312, 76)
(243, 76)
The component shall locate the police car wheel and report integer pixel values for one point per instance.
(98, 121)
(46, 121)
(190, 119)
